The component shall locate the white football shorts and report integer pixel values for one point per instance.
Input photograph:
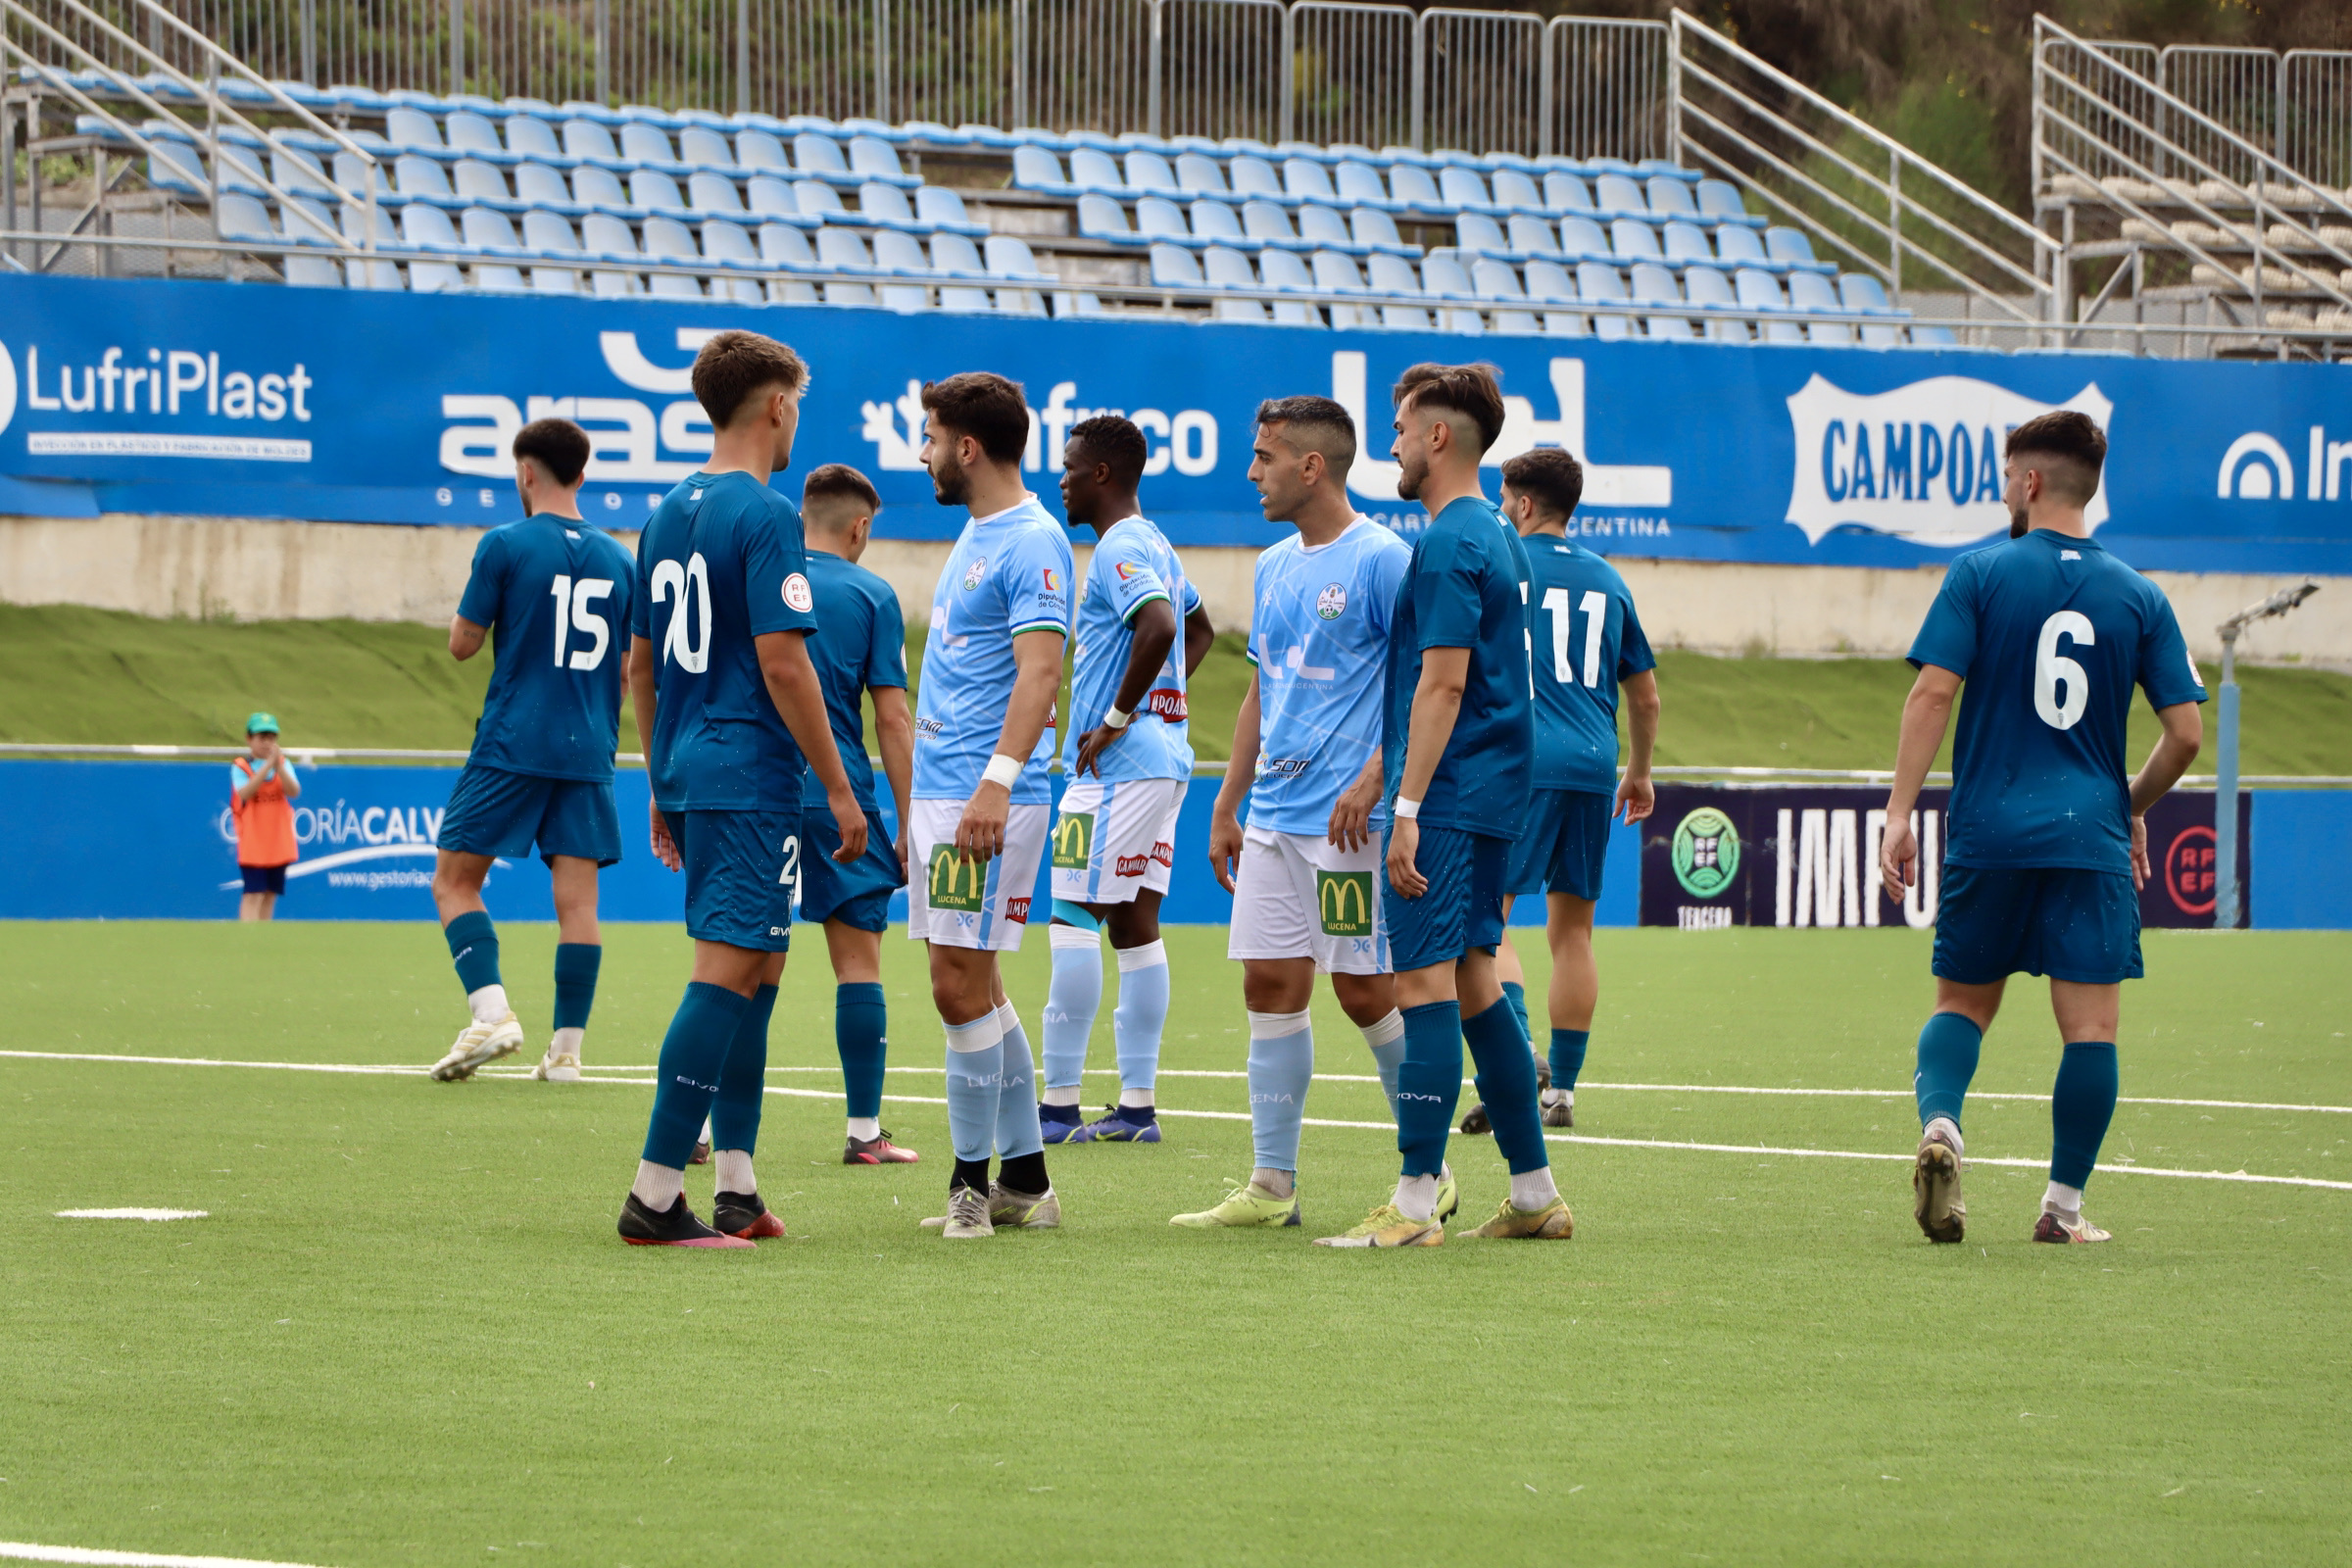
(1299, 895)
(965, 904)
(1111, 841)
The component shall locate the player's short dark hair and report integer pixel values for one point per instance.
(1310, 423)
(838, 482)
(1550, 474)
(735, 363)
(1473, 391)
(1113, 438)
(560, 446)
(986, 407)
(2071, 437)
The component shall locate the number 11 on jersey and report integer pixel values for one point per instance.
(1595, 607)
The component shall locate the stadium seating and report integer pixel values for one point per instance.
(524, 194)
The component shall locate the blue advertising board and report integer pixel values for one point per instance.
(248, 400)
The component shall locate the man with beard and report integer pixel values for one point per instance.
(976, 825)
(2048, 841)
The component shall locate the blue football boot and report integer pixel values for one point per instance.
(1057, 1124)
(1121, 1125)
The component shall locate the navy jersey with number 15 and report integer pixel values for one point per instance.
(556, 596)
(721, 564)
(2050, 633)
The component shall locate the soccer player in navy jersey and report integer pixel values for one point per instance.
(1140, 633)
(858, 647)
(552, 594)
(1458, 747)
(2047, 837)
(1588, 643)
(731, 713)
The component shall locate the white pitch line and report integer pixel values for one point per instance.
(132, 1214)
(26, 1552)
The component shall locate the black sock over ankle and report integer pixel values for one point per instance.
(971, 1173)
(1024, 1173)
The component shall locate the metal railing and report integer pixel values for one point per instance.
(1482, 79)
(1604, 88)
(1869, 202)
(1355, 73)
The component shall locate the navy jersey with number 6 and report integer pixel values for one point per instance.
(1466, 587)
(1587, 640)
(2050, 633)
(721, 564)
(556, 596)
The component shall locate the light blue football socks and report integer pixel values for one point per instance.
(975, 1084)
(1016, 1131)
(1948, 1048)
(1139, 1018)
(1073, 998)
(1385, 1038)
(1282, 1063)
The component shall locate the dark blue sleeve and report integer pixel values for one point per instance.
(1447, 601)
(640, 597)
(486, 585)
(1633, 644)
(2166, 672)
(886, 650)
(1947, 638)
(775, 570)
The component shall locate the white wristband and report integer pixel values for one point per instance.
(1406, 810)
(1002, 769)
(1113, 718)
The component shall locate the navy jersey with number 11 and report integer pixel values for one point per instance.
(556, 596)
(1587, 641)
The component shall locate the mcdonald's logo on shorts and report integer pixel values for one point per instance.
(955, 882)
(1343, 902)
(1074, 841)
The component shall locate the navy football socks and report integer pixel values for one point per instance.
(2081, 1104)
(860, 1018)
(1516, 995)
(473, 948)
(1506, 1086)
(694, 1053)
(1429, 1083)
(576, 966)
(1568, 1056)
(1949, 1045)
(743, 1080)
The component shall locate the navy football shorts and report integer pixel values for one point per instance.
(857, 893)
(740, 870)
(2060, 921)
(1463, 907)
(1564, 846)
(492, 812)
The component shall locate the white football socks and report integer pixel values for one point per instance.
(1136, 1097)
(1065, 1096)
(566, 1043)
(1951, 1129)
(1532, 1190)
(2063, 1200)
(657, 1185)
(865, 1129)
(734, 1168)
(1274, 1183)
(1416, 1196)
(489, 1004)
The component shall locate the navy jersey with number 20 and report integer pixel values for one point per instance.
(2050, 633)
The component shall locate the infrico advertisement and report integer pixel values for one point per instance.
(253, 399)
(1720, 855)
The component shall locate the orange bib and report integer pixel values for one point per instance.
(265, 822)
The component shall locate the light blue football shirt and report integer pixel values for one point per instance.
(1009, 573)
(1587, 640)
(2049, 633)
(1133, 565)
(1319, 637)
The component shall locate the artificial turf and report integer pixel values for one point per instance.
(407, 1333)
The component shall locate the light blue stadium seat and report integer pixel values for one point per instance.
(1792, 247)
(705, 147)
(1600, 283)
(1632, 240)
(1039, 169)
(1358, 184)
(1859, 291)
(1394, 274)
(1443, 277)
(1216, 222)
(1285, 269)
(420, 178)
(1161, 221)
(989, 136)
(1759, 290)
(1654, 284)
(1516, 191)
(1307, 179)
(1196, 173)
(1267, 223)
(239, 217)
(1228, 268)
(1334, 273)
(880, 130)
(655, 191)
(529, 137)
(406, 127)
(667, 239)
(1102, 218)
(1719, 199)
(769, 198)
(1094, 170)
(1530, 236)
(1173, 266)
(1008, 256)
(1480, 235)
(306, 223)
(1254, 177)
(761, 148)
(370, 274)
(546, 234)
(298, 173)
(1500, 281)
(1619, 196)
(1150, 171)
(484, 186)
(945, 212)
(817, 199)
(1549, 283)
(1323, 226)
(902, 254)
(1707, 286)
(725, 242)
(1248, 146)
(713, 193)
(608, 238)
(476, 136)
(427, 228)
(1081, 302)
(841, 248)
(1739, 247)
(815, 157)
(1413, 189)
(490, 234)
(885, 207)
(1464, 191)
(956, 255)
(538, 185)
(1934, 337)
(1688, 242)
(1582, 240)
(1376, 232)
(590, 140)
(873, 159)
(1670, 197)
(239, 170)
(782, 247)
(1810, 291)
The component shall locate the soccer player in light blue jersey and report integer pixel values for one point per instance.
(1457, 744)
(1304, 874)
(731, 714)
(1126, 763)
(860, 646)
(552, 594)
(2047, 845)
(976, 826)
(1588, 642)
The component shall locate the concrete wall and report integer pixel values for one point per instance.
(267, 570)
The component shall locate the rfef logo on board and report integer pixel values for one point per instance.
(2190, 864)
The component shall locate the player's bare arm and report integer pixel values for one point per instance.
(1037, 658)
(1154, 626)
(464, 638)
(1636, 796)
(894, 733)
(1351, 814)
(2175, 750)
(1225, 816)
(1199, 638)
(1437, 704)
(1927, 713)
(641, 703)
(800, 698)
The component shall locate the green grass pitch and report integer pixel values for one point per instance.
(407, 1333)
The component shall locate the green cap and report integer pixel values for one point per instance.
(261, 724)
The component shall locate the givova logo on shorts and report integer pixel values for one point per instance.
(957, 882)
(1074, 841)
(1343, 902)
